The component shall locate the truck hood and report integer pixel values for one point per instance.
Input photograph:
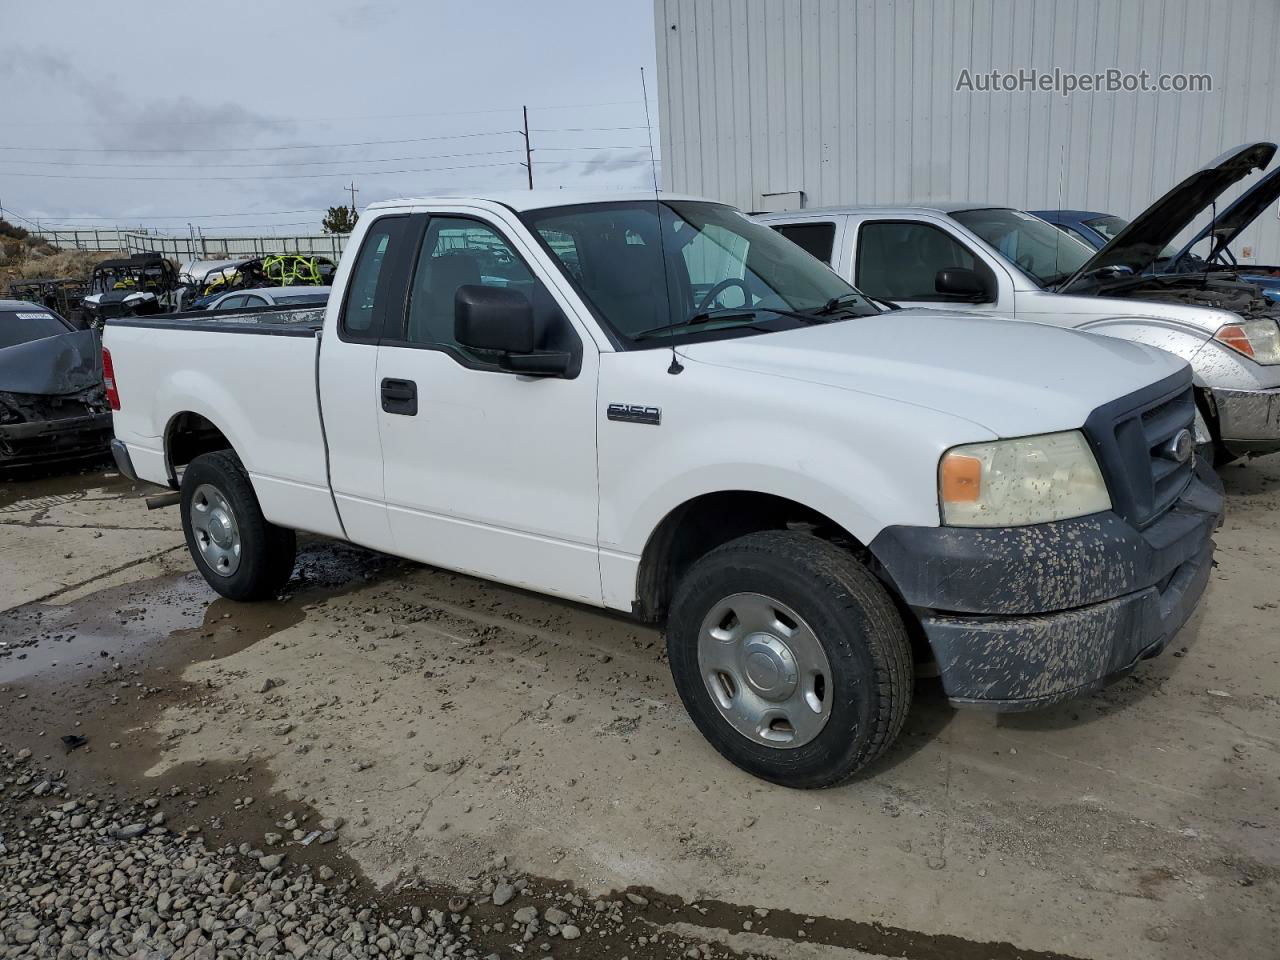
(1234, 220)
(52, 366)
(1139, 244)
(1012, 377)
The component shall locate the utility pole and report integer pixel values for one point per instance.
(528, 150)
(354, 191)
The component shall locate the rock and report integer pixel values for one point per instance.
(502, 894)
(266, 684)
(325, 872)
(638, 900)
(296, 945)
(526, 915)
(271, 861)
(570, 932)
(231, 883)
(555, 915)
(131, 831)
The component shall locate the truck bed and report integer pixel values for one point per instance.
(260, 394)
(273, 321)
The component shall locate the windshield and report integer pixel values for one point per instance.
(1043, 251)
(723, 271)
(1110, 226)
(23, 326)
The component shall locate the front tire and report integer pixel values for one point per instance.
(239, 553)
(790, 657)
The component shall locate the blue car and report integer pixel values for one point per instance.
(1098, 229)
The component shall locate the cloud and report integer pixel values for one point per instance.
(122, 118)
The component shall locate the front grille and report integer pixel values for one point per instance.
(1131, 435)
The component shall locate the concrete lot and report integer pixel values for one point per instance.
(451, 721)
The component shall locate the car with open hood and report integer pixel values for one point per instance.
(1098, 229)
(990, 258)
(53, 404)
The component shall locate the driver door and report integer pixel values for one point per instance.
(487, 471)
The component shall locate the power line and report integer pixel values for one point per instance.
(293, 176)
(276, 121)
(283, 163)
(290, 146)
(191, 216)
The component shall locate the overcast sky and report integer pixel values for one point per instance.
(164, 114)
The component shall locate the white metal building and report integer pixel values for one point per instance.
(773, 104)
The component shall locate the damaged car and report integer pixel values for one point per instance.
(996, 260)
(53, 404)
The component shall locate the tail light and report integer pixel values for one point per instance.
(109, 380)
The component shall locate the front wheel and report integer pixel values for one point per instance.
(240, 554)
(790, 657)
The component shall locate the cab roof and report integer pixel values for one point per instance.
(522, 200)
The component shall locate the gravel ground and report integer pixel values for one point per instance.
(91, 877)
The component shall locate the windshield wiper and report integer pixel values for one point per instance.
(840, 302)
(724, 315)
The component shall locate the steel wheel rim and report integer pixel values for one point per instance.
(217, 533)
(765, 670)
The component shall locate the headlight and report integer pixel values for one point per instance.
(1259, 340)
(1012, 483)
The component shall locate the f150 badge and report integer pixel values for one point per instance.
(635, 413)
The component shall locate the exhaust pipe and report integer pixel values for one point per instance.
(164, 500)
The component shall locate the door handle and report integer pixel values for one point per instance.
(400, 397)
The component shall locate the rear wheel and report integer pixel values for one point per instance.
(240, 554)
(790, 658)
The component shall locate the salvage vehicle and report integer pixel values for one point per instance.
(1098, 229)
(810, 493)
(1005, 262)
(270, 297)
(53, 403)
(136, 286)
(62, 295)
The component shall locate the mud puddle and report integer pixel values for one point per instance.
(33, 487)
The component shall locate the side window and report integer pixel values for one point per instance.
(899, 260)
(254, 302)
(816, 239)
(369, 293)
(231, 303)
(457, 251)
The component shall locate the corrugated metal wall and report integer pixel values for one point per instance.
(854, 101)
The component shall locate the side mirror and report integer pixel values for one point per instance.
(500, 321)
(962, 283)
(493, 318)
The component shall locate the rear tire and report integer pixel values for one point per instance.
(741, 639)
(239, 553)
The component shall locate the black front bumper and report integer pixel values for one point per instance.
(48, 441)
(1023, 617)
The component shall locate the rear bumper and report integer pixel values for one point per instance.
(1248, 420)
(124, 462)
(45, 441)
(1024, 617)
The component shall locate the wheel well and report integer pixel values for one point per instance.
(187, 436)
(700, 525)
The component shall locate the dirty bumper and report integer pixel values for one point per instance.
(1023, 617)
(1249, 419)
(23, 444)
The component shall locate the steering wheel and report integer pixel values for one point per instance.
(720, 288)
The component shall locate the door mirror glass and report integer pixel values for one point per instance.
(961, 282)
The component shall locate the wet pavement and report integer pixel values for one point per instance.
(451, 721)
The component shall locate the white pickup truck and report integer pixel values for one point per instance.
(988, 258)
(812, 494)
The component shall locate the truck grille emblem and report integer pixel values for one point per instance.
(1179, 447)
